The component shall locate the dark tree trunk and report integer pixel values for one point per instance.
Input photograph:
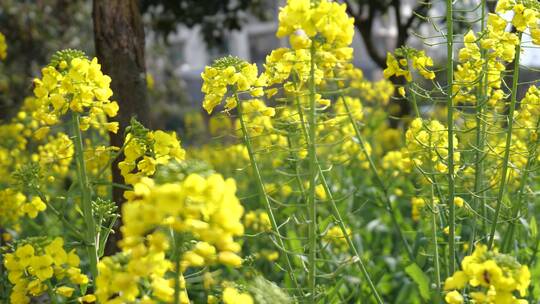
(119, 39)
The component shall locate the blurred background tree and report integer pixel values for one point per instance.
(366, 12)
(215, 17)
(34, 30)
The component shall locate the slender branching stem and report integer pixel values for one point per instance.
(450, 121)
(506, 157)
(481, 93)
(434, 212)
(313, 171)
(379, 182)
(86, 197)
(531, 160)
(352, 247)
(262, 193)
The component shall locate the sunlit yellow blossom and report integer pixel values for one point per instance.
(233, 296)
(492, 276)
(226, 72)
(453, 297)
(79, 86)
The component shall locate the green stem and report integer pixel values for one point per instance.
(478, 199)
(379, 181)
(59, 215)
(50, 293)
(435, 242)
(502, 186)
(450, 119)
(531, 160)
(177, 281)
(336, 212)
(312, 154)
(413, 98)
(343, 229)
(337, 215)
(262, 192)
(434, 213)
(177, 255)
(90, 232)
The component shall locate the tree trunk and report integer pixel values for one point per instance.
(119, 40)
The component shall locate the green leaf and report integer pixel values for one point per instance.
(420, 278)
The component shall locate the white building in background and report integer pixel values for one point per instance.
(188, 54)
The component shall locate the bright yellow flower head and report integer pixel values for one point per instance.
(302, 19)
(205, 207)
(42, 266)
(453, 297)
(145, 150)
(229, 72)
(233, 296)
(492, 277)
(78, 86)
(405, 61)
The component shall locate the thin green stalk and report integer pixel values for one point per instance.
(413, 98)
(103, 240)
(435, 242)
(478, 200)
(531, 265)
(293, 157)
(86, 203)
(262, 192)
(336, 212)
(312, 210)
(337, 215)
(379, 181)
(450, 119)
(434, 212)
(178, 241)
(531, 160)
(59, 215)
(502, 186)
(177, 281)
(50, 293)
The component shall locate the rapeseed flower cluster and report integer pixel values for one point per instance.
(405, 60)
(206, 208)
(56, 154)
(320, 29)
(427, 143)
(232, 295)
(258, 221)
(525, 13)
(14, 205)
(491, 277)
(499, 47)
(139, 276)
(34, 269)
(144, 150)
(335, 238)
(229, 72)
(257, 116)
(339, 133)
(78, 85)
(397, 162)
(305, 20)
